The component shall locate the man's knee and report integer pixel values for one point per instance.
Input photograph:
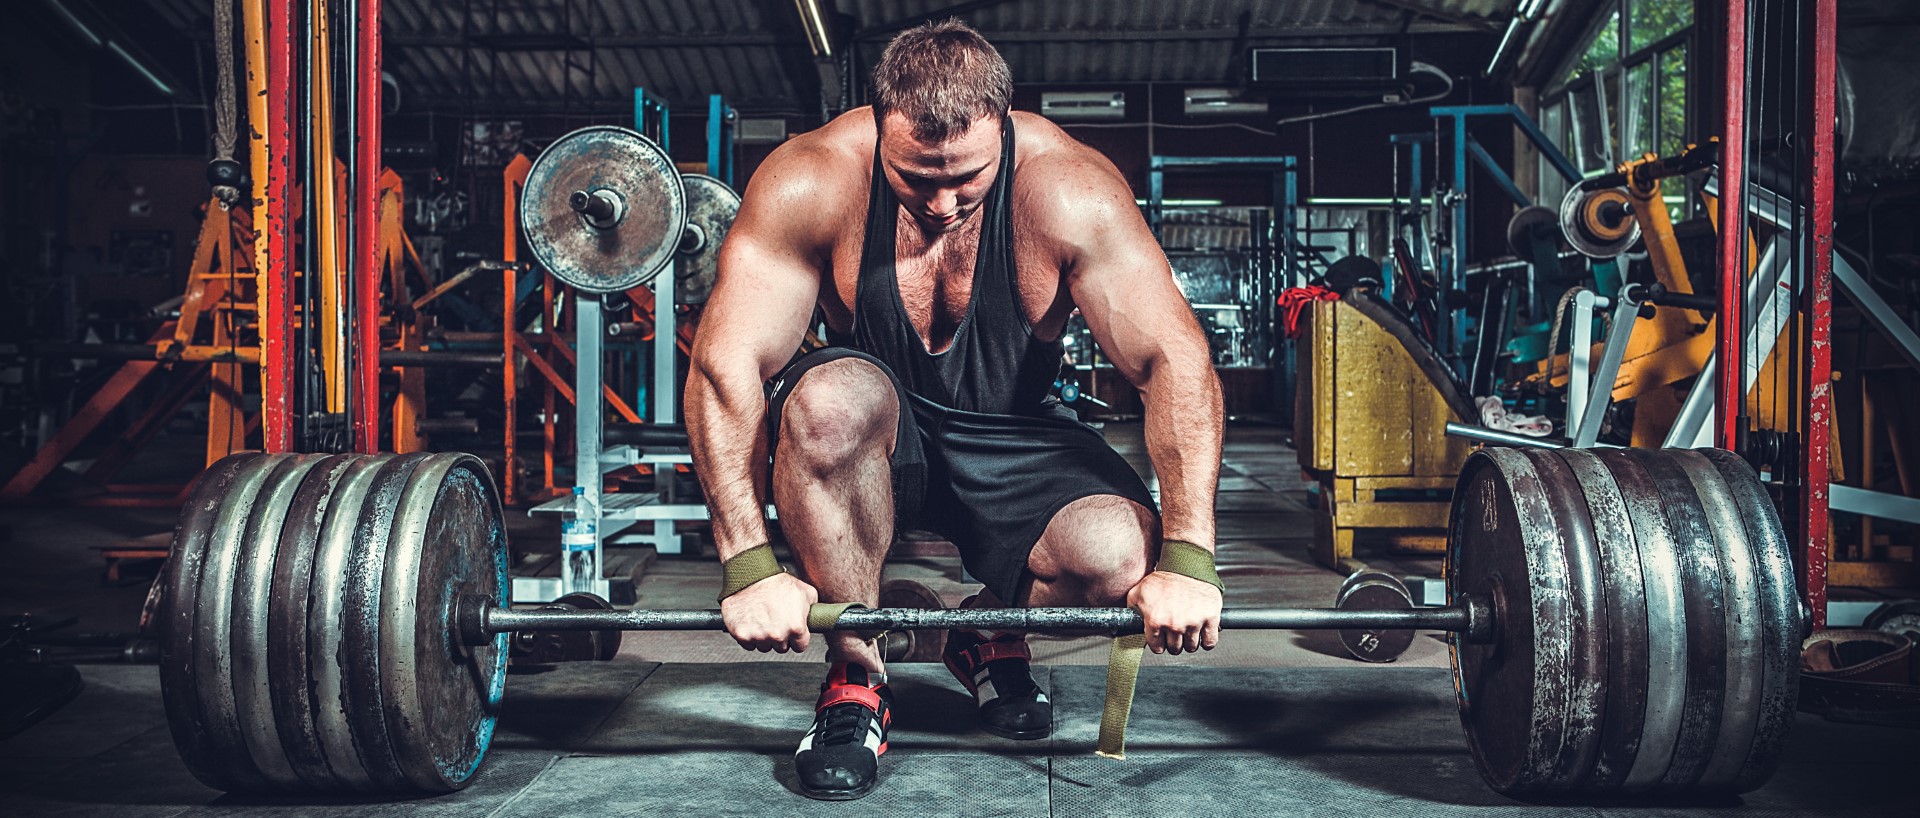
(1101, 545)
(837, 412)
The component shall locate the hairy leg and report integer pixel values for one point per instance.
(833, 486)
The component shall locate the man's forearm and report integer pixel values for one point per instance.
(726, 427)
(1183, 427)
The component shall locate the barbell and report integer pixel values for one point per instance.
(605, 210)
(1620, 621)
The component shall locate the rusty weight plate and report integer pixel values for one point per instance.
(619, 253)
(1706, 616)
(711, 206)
(1666, 640)
(194, 546)
(440, 697)
(1779, 628)
(1503, 544)
(1586, 695)
(254, 601)
(287, 619)
(1625, 708)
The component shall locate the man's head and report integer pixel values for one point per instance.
(940, 92)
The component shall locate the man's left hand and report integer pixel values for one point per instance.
(1181, 613)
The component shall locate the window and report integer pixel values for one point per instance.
(1614, 103)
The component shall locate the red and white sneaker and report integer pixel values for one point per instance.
(839, 758)
(999, 674)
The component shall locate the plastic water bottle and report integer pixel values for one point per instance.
(579, 528)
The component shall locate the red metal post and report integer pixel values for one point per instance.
(276, 281)
(366, 174)
(1824, 83)
(1732, 399)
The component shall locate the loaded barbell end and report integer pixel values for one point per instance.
(692, 240)
(470, 619)
(1483, 626)
(600, 208)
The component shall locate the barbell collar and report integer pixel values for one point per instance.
(480, 619)
(600, 208)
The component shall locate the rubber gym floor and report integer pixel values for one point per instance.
(1271, 723)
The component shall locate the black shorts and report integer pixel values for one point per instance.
(989, 483)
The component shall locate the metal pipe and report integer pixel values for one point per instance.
(1733, 226)
(422, 357)
(366, 176)
(504, 620)
(1499, 438)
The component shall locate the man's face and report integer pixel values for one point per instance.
(940, 183)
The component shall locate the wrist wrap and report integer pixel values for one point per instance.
(1189, 560)
(748, 567)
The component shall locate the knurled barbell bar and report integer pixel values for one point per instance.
(1620, 621)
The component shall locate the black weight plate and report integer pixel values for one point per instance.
(227, 546)
(441, 697)
(287, 667)
(606, 643)
(1626, 618)
(327, 615)
(252, 600)
(1586, 696)
(370, 608)
(1503, 545)
(1379, 591)
(179, 688)
(1666, 645)
(912, 646)
(1706, 621)
(1781, 627)
(1745, 662)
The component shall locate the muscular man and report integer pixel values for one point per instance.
(946, 240)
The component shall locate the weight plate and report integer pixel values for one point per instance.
(1780, 628)
(550, 647)
(326, 617)
(252, 603)
(711, 207)
(1745, 662)
(1626, 617)
(1666, 645)
(1512, 692)
(440, 698)
(912, 646)
(1374, 590)
(1586, 696)
(1520, 228)
(287, 667)
(1902, 618)
(1584, 222)
(179, 688)
(653, 209)
(1706, 619)
(214, 600)
(370, 604)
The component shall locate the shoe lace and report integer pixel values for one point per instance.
(844, 724)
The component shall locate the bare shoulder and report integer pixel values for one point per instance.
(1065, 188)
(807, 185)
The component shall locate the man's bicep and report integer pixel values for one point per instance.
(761, 302)
(1124, 288)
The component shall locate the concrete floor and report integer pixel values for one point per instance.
(1271, 723)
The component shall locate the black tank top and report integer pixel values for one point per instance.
(994, 365)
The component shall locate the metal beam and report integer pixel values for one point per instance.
(1456, 18)
(899, 23)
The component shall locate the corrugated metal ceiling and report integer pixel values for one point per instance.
(565, 53)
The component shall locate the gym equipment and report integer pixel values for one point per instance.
(711, 206)
(1374, 591)
(603, 209)
(1598, 221)
(553, 647)
(1621, 621)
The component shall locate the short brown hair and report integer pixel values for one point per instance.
(941, 76)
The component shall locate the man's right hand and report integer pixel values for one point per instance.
(770, 615)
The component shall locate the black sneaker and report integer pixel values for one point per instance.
(839, 758)
(999, 674)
